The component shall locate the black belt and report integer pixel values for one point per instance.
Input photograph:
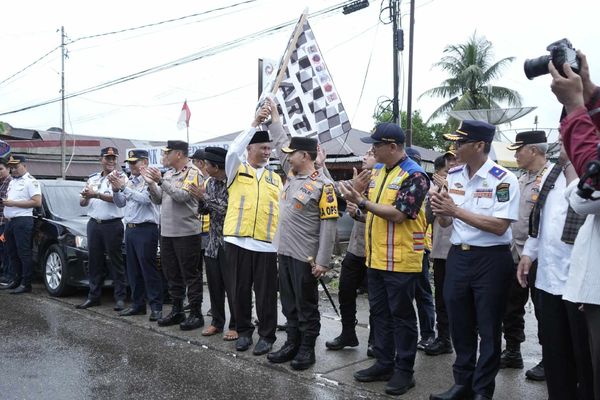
(106, 221)
(23, 216)
(140, 225)
(468, 247)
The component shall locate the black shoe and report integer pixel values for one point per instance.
(511, 359)
(21, 289)
(133, 311)
(439, 346)
(262, 347)
(344, 340)
(119, 305)
(304, 358)
(456, 392)
(287, 352)
(282, 327)
(424, 343)
(4, 281)
(400, 383)
(176, 316)
(374, 373)
(155, 315)
(87, 304)
(370, 351)
(194, 321)
(9, 286)
(243, 343)
(537, 373)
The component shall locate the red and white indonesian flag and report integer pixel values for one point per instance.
(184, 117)
(303, 89)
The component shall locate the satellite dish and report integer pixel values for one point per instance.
(494, 116)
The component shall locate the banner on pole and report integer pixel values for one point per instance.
(184, 117)
(308, 102)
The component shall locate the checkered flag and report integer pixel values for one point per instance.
(303, 89)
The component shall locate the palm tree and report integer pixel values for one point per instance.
(471, 70)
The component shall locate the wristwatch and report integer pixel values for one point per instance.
(362, 205)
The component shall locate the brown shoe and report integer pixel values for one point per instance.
(211, 330)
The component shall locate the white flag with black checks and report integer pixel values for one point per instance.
(307, 100)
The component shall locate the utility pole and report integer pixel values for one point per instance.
(63, 137)
(396, 44)
(410, 73)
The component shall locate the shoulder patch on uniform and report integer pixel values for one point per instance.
(503, 192)
(497, 172)
(456, 169)
(328, 205)
(191, 178)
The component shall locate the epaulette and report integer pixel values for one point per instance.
(497, 172)
(314, 175)
(456, 169)
(94, 174)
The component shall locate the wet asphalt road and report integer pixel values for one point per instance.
(51, 351)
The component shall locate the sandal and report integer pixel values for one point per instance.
(211, 330)
(230, 336)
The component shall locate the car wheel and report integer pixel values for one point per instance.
(55, 269)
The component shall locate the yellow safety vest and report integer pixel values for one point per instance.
(253, 209)
(390, 246)
(204, 218)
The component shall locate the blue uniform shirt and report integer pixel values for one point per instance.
(136, 201)
(492, 191)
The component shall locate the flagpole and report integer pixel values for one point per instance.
(187, 129)
(289, 50)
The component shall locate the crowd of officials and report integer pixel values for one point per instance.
(494, 240)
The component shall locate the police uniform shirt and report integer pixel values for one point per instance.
(492, 191)
(135, 200)
(21, 188)
(98, 208)
(530, 184)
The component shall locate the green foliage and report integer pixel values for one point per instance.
(469, 87)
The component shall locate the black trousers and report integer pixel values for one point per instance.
(258, 269)
(105, 239)
(299, 296)
(424, 300)
(145, 280)
(391, 296)
(352, 276)
(592, 316)
(179, 258)
(475, 291)
(221, 281)
(18, 234)
(441, 315)
(513, 323)
(566, 351)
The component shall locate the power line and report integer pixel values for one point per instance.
(125, 30)
(184, 60)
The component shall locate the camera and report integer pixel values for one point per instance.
(590, 180)
(561, 52)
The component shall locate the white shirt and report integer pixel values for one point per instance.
(236, 155)
(552, 253)
(583, 283)
(21, 188)
(492, 191)
(100, 209)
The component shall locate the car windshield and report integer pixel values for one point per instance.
(63, 200)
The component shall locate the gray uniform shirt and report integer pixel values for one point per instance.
(179, 209)
(135, 199)
(356, 245)
(301, 232)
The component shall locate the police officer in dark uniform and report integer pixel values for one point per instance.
(104, 232)
(481, 201)
(141, 237)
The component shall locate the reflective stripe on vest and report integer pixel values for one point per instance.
(253, 209)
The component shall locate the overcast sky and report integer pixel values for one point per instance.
(222, 89)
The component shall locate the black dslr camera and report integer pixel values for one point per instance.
(561, 52)
(590, 180)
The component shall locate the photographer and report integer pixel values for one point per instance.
(581, 98)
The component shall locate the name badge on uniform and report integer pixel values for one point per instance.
(456, 191)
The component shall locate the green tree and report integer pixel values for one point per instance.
(429, 136)
(469, 87)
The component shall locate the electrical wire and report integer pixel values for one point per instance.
(30, 65)
(185, 60)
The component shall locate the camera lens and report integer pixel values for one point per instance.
(536, 66)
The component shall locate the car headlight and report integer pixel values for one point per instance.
(81, 242)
